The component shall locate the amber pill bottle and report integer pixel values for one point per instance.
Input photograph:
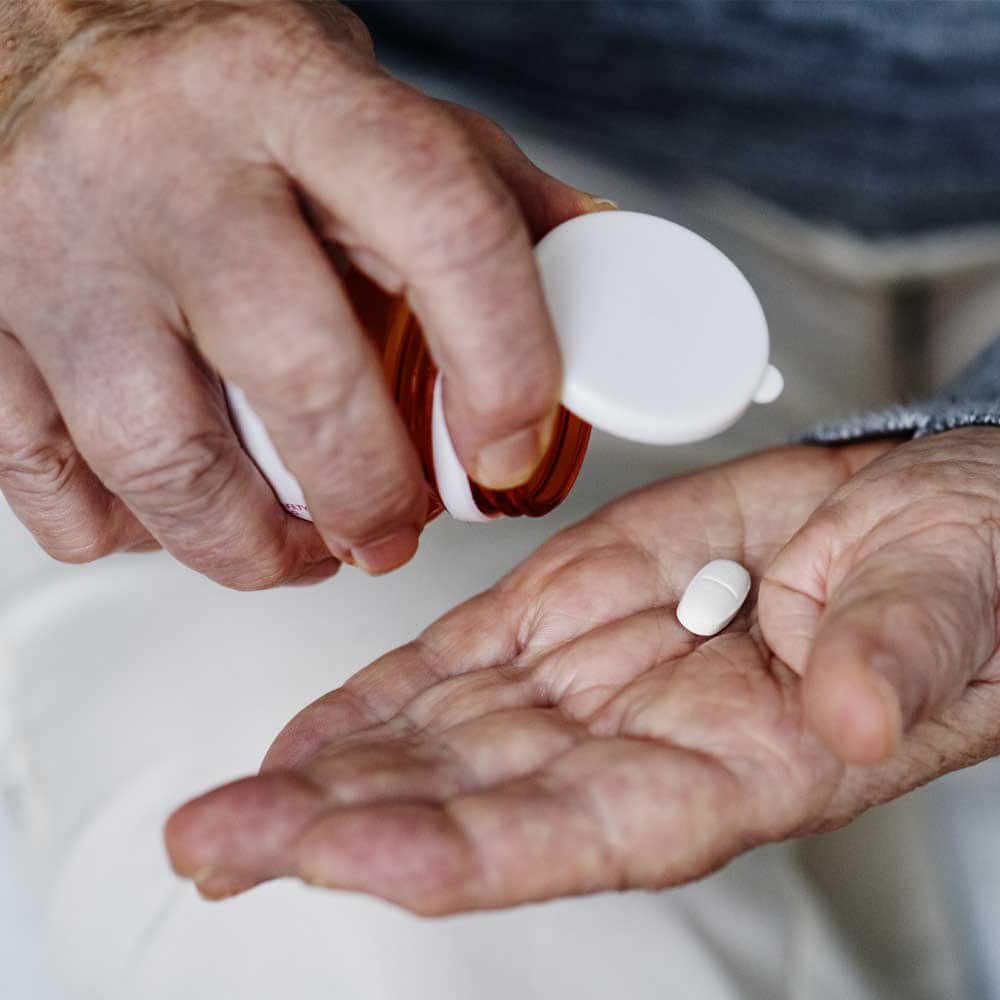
(411, 374)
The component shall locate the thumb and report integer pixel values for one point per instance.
(883, 636)
(545, 201)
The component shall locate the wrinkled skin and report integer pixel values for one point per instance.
(561, 733)
(171, 174)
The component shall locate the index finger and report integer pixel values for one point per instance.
(404, 177)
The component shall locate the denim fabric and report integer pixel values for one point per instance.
(973, 397)
(882, 115)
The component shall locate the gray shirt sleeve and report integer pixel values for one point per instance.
(972, 398)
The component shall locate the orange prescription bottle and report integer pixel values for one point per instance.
(412, 377)
(663, 341)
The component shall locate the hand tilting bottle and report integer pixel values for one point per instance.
(663, 341)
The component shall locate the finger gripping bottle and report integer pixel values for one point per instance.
(663, 342)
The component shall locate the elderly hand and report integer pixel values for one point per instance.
(563, 734)
(169, 172)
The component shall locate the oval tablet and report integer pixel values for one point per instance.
(712, 599)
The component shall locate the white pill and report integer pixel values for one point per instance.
(711, 600)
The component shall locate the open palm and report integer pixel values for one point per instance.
(562, 733)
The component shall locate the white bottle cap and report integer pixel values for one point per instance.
(663, 339)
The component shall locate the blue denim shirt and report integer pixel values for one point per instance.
(883, 115)
(972, 398)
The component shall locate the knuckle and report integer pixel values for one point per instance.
(304, 54)
(461, 206)
(356, 30)
(466, 214)
(376, 496)
(516, 391)
(171, 476)
(240, 558)
(238, 552)
(282, 46)
(476, 222)
(39, 480)
(368, 487)
(412, 139)
(339, 22)
(430, 142)
(307, 385)
(40, 469)
(388, 506)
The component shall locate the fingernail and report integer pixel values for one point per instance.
(387, 553)
(596, 204)
(217, 885)
(512, 460)
(878, 731)
(899, 697)
(867, 723)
